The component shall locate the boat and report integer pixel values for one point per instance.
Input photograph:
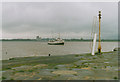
(57, 41)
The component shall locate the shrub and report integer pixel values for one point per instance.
(56, 68)
(95, 67)
(3, 78)
(76, 55)
(115, 78)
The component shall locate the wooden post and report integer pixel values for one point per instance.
(99, 44)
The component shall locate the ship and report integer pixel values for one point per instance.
(57, 41)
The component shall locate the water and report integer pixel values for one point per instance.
(27, 48)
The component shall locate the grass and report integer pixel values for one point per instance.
(75, 74)
(70, 69)
(21, 71)
(8, 68)
(3, 78)
(11, 79)
(17, 62)
(58, 75)
(30, 70)
(76, 55)
(69, 62)
(82, 58)
(51, 71)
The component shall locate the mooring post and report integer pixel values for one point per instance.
(49, 55)
(99, 44)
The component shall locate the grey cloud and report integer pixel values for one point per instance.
(43, 17)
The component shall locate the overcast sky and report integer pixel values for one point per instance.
(71, 20)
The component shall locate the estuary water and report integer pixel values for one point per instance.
(12, 49)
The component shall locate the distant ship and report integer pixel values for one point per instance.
(57, 41)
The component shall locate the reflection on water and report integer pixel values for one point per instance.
(27, 48)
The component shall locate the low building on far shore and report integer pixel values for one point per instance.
(38, 38)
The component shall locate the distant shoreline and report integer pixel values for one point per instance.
(67, 40)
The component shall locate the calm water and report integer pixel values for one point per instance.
(21, 48)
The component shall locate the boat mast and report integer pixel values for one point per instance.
(59, 35)
(99, 44)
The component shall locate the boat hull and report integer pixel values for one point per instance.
(55, 43)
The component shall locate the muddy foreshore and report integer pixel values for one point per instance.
(67, 67)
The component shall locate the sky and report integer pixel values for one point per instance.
(47, 19)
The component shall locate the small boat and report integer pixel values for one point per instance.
(57, 41)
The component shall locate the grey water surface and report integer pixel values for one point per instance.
(31, 48)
